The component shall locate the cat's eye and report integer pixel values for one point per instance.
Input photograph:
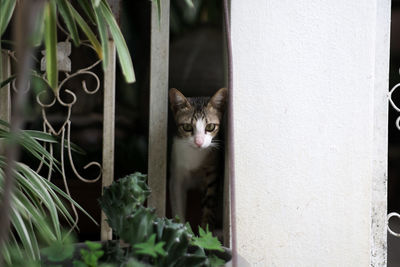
(210, 127)
(187, 127)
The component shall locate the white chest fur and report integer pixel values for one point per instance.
(186, 157)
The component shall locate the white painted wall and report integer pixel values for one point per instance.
(310, 81)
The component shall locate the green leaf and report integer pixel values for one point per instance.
(150, 247)
(207, 241)
(102, 28)
(87, 8)
(7, 81)
(86, 30)
(96, 3)
(6, 12)
(215, 261)
(91, 256)
(189, 3)
(59, 251)
(50, 21)
(93, 245)
(66, 14)
(78, 263)
(120, 44)
(38, 31)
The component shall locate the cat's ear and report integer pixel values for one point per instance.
(218, 100)
(177, 100)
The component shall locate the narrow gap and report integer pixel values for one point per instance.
(394, 139)
(196, 69)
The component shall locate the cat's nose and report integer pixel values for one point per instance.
(199, 140)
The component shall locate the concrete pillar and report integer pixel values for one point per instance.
(310, 109)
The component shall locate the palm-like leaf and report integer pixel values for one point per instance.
(120, 44)
(37, 203)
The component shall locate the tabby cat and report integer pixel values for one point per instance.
(194, 159)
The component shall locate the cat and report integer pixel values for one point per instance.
(194, 156)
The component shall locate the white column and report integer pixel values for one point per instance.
(310, 109)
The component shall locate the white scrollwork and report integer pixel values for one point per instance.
(394, 214)
(390, 215)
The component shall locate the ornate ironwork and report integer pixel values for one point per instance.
(59, 97)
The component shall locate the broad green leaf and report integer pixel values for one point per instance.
(69, 20)
(150, 247)
(120, 44)
(6, 12)
(50, 40)
(207, 241)
(93, 245)
(215, 261)
(102, 28)
(87, 31)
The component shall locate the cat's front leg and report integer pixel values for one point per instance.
(209, 201)
(178, 194)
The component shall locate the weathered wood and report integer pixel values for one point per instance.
(159, 52)
(108, 132)
(5, 96)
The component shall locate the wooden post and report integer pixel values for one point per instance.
(5, 96)
(108, 132)
(159, 52)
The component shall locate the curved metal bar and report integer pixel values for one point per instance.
(65, 180)
(390, 215)
(390, 97)
(65, 104)
(42, 104)
(393, 214)
(71, 161)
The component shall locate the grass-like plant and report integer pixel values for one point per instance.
(94, 12)
(37, 204)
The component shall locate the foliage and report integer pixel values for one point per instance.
(122, 198)
(97, 12)
(149, 241)
(206, 240)
(59, 250)
(150, 247)
(91, 255)
(37, 203)
(158, 241)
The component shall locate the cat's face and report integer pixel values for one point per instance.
(198, 119)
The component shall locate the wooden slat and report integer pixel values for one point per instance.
(5, 96)
(108, 132)
(159, 52)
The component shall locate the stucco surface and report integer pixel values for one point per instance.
(304, 83)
